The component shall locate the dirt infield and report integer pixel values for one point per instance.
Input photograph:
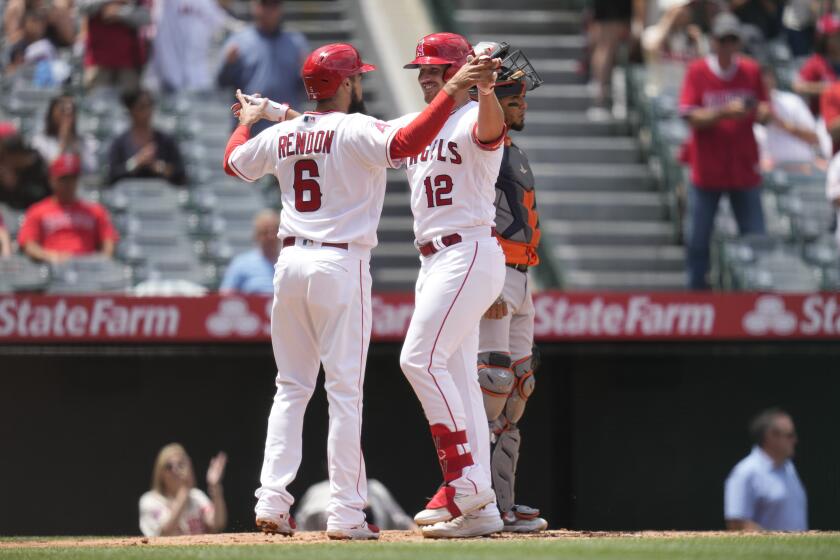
(315, 537)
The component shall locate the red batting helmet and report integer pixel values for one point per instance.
(327, 66)
(442, 48)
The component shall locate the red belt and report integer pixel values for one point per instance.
(289, 241)
(429, 248)
(447, 240)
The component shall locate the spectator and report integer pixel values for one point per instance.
(174, 506)
(143, 151)
(722, 96)
(265, 59)
(32, 38)
(385, 512)
(23, 177)
(679, 34)
(611, 26)
(60, 28)
(832, 191)
(184, 31)
(763, 491)
(253, 272)
(5, 241)
(115, 51)
(63, 226)
(822, 67)
(765, 15)
(59, 135)
(830, 109)
(799, 21)
(791, 134)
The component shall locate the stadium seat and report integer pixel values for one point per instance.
(24, 275)
(93, 273)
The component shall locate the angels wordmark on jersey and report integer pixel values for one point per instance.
(448, 196)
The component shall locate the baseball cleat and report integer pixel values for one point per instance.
(523, 519)
(464, 527)
(448, 504)
(282, 525)
(363, 532)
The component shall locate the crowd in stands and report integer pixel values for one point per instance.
(748, 89)
(102, 97)
(114, 82)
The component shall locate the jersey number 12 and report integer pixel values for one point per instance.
(307, 189)
(439, 194)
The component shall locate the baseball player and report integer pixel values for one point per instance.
(331, 169)
(506, 334)
(461, 275)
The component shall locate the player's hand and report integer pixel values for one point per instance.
(498, 310)
(216, 470)
(250, 113)
(480, 69)
(275, 112)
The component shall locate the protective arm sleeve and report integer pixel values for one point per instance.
(239, 137)
(419, 133)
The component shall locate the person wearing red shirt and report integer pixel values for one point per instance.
(63, 226)
(115, 49)
(722, 97)
(823, 67)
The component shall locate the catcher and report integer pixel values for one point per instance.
(506, 359)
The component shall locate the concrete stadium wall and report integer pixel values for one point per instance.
(616, 437)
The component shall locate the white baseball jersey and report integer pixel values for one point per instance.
(331, 170)
(453, 180)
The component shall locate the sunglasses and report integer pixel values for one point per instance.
(171, 467)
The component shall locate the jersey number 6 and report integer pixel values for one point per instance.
(439, 194)
(307, 189)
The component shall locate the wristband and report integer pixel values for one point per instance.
(273, 111)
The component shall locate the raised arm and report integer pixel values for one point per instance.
(419, 133)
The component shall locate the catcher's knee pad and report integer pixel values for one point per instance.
(524, 388)
(496, 380)
(503, 467)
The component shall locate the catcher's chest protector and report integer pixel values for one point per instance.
(517, 220)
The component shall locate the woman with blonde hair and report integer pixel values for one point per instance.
(174, 506)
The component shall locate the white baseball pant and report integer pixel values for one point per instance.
(454, 288)
(514, 333)
(321, 314)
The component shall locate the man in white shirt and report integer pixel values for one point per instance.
(790, 136)
(763, 492)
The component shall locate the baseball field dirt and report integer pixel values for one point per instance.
(411, 546)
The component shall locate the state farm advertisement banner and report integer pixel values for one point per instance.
(559, 317)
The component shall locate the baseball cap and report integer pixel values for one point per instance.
(726, 25)
(828, 24)
(64, 165)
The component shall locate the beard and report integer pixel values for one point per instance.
(517, 126)
(357, 105)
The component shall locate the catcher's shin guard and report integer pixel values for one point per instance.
(497, 381)
(503, 467)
